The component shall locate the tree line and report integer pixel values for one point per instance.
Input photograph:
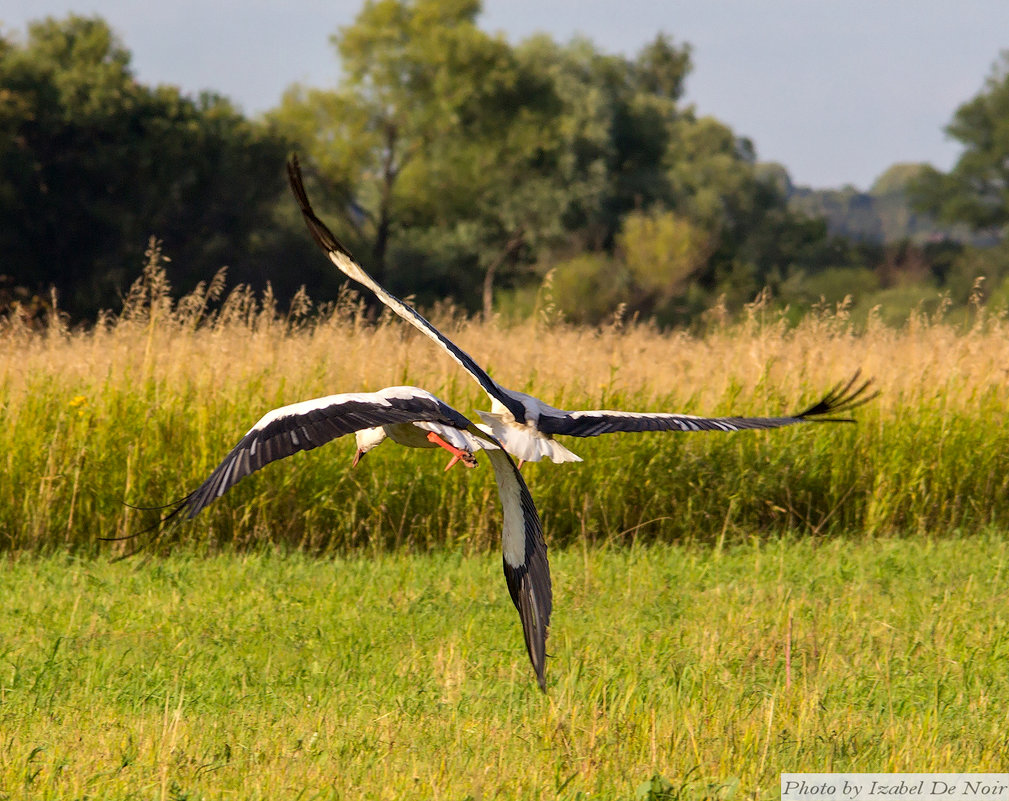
(454, 164)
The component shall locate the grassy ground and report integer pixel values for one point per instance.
(264, 676)
(768, 637)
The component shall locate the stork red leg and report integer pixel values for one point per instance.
(458, 455)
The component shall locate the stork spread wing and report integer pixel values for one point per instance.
(342, 258)
(841, 399)
(524, 553)
(309, 424)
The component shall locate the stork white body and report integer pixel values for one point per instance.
(415, 435)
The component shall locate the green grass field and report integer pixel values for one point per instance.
(264, 676)
(726, 607)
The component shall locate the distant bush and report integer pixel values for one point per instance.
(661, 251)
(589, 287)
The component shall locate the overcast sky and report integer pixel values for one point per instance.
(836, 91)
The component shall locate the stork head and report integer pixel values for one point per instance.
(367, 438)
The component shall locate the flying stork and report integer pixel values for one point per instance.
(415, 418)
(524, 425)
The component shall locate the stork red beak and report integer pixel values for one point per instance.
(466, 458)
(357, 457)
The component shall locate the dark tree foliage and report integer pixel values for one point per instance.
(452, 163)
(92, 164)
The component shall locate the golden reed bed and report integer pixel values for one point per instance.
(142, 405)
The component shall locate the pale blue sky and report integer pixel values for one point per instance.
(835, 91)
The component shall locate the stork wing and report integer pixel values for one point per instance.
(841, 399)
(524, 552)
(309, 424)
(342, 258)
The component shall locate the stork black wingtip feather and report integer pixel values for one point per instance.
(169, 505)
(843, 397)
(534, 618)
(176, 507)
(323, 237)
(161, 525)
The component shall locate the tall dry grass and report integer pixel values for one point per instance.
(142, 406)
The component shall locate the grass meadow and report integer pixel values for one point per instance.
(684, 670)
(727, 606)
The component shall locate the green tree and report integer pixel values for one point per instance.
(457, 163)
(587, 148)
(754, 241)
(976, 190)
(489, 196)
(616, 121)
(632, 154)
(447, 150)
(415, 74)
(93, 163)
